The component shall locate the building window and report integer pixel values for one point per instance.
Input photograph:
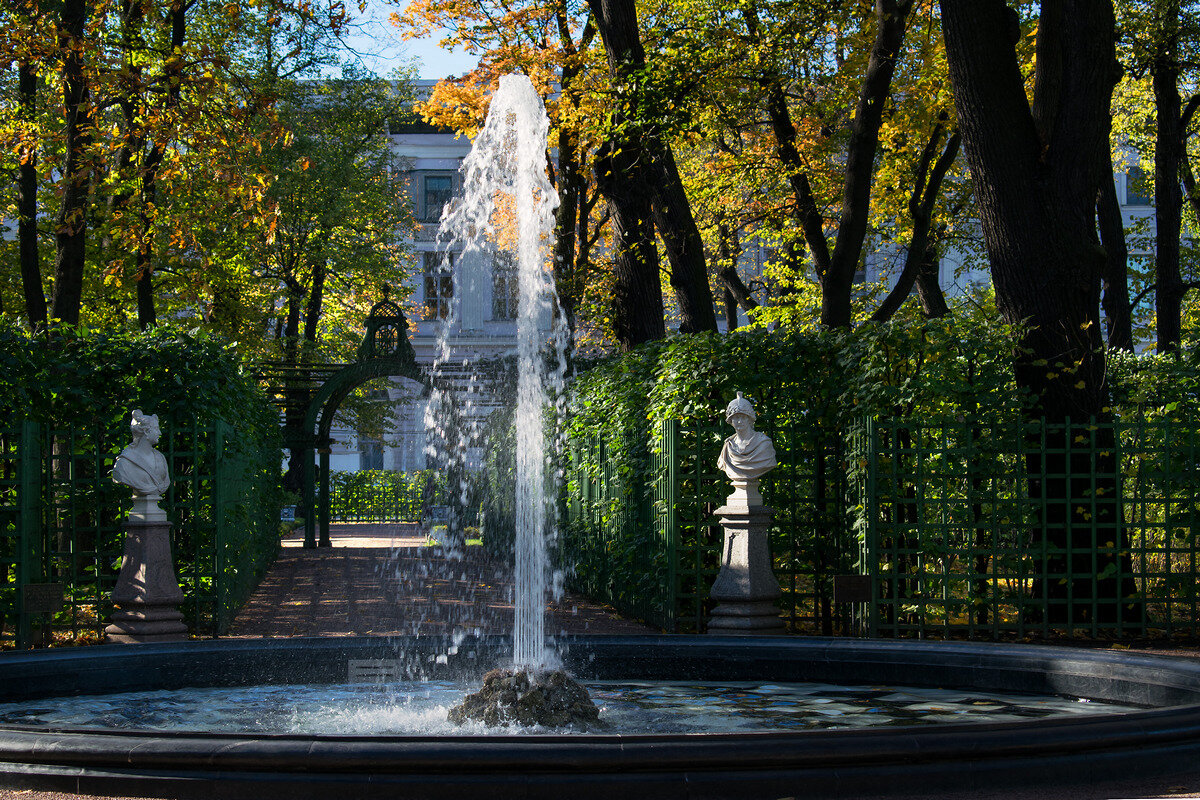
(439, 284)
(505, 286)
(1137, 188)
(436, 192)
(372, 453)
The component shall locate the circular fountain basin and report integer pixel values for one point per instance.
(1162, 735)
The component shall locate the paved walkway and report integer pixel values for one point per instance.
(383, 580)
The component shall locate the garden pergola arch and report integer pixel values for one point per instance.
(385, 352)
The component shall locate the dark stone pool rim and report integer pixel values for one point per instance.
(920, 759)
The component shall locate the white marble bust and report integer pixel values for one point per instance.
(140, 466)
(748, 453)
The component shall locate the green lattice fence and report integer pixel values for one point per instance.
(382, 495)
(649, 543)
(61, 520)
(1018, 530)
(994, 530)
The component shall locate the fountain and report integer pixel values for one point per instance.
(786, 716)
(508, 202)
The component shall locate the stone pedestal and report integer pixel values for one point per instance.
(745, 588)
(147, 592)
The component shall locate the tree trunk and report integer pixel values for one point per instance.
(27, 182)
(920, 208)
(649, 160)
(807, 214)
(929, 289)
(623, 174)
(316, 297)
(891, 19)
(1037, 171)
(1168, 199)
(172, 73)
(70, 235)
(566, 222)
(736, 291)
(1118, 313)
(637, 294)
(684, 245)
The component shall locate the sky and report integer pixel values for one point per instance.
(381, 50)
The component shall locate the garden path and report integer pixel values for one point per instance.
(381, 579)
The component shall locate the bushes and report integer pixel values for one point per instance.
(376, 495)
(80, 376)
(80, 386)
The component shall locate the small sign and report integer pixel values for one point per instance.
(439, 513)
(42, 598)
(373, 670)
(851, 588)
(287, 514)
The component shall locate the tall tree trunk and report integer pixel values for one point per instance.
(316, 297)
(623, 174)
(891, 19)
(920, 207)
(1187, 176)
(929, 289)
(804, 207)
(729, 250)
(1168, 199)
(566, 224)
(172, 73)
(1037, 171)
(683, 243)
(27, 182)
(1118, 313)
(70, 237)
(637, 293)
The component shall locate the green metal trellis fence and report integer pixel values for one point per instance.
(383, 495)
(1017, 530)
(648, 542)
(994, 530)
(61, 526)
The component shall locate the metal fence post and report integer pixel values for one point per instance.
(220, 501)
(30, 542)
(671, 521)
(871, 539)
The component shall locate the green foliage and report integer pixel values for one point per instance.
(810, 387)
(81, 385)
(83, 376)
(907, 366)
(1157, 386)
(383, 495)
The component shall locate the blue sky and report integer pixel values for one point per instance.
(381, 50)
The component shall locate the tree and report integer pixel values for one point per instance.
(637, 160)
(1037, 167)
(151, 102)
(550, 42)
(824, 131)
(1160, 39)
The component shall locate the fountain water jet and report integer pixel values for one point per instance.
(508, 203)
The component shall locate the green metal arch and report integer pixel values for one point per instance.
(337, 387)
(321, 409)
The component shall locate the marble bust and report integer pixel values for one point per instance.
(748, 453)
(140, 466)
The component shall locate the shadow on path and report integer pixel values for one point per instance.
(383, 580)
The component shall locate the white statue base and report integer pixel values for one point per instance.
(146, 510)
(746, 589)
(745, 494)
(147, 592)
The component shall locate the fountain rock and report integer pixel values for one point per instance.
(551, 699)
